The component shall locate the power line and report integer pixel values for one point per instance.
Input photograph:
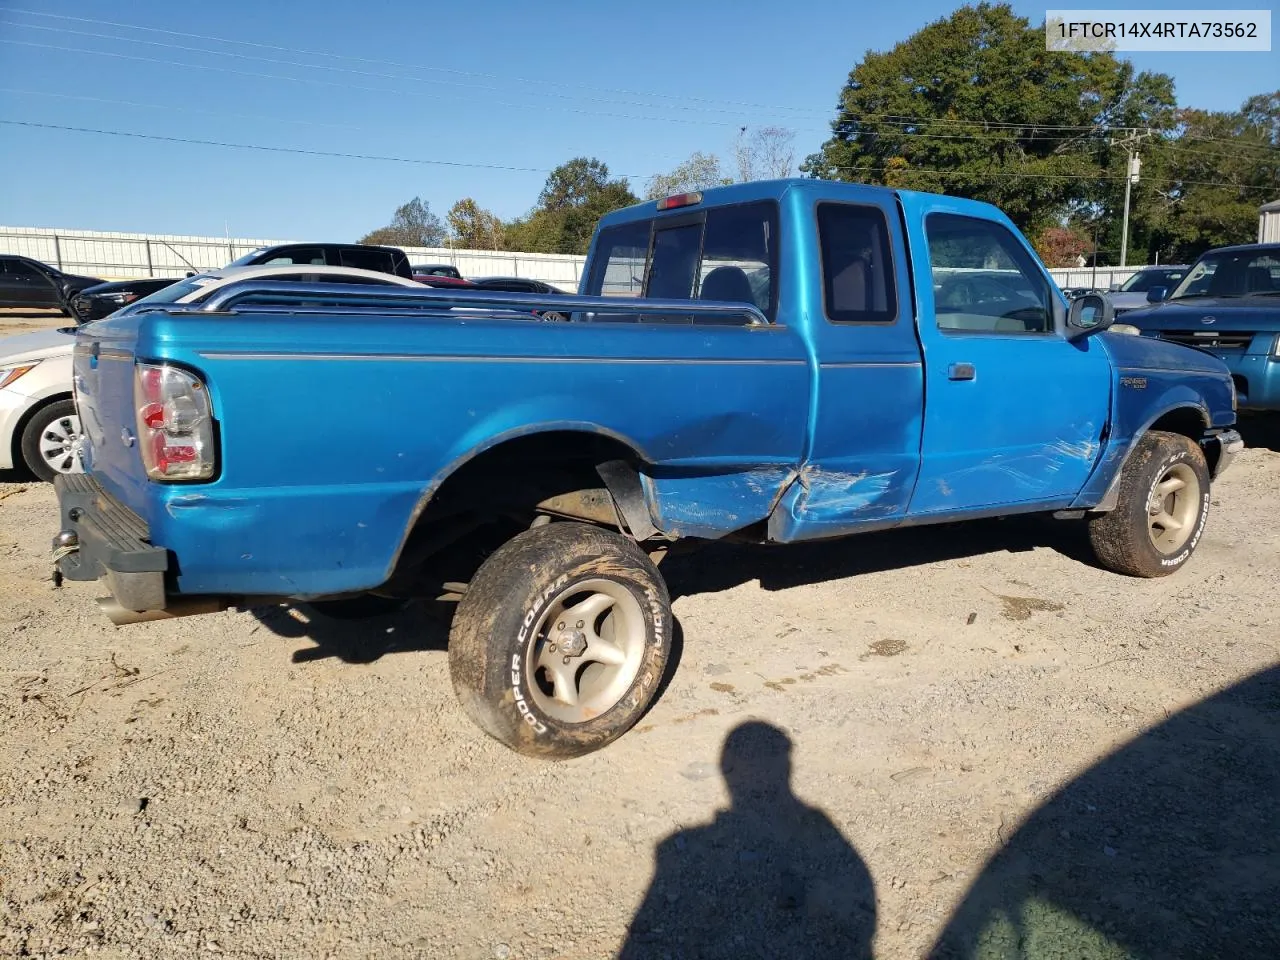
(395, 63)
(999, 174)
(270, 149)
(180, 108)
(367, 73)
(350, 86)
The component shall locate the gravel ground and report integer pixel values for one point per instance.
(853, 731)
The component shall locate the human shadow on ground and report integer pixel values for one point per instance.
(714, 567)
(768, 877)
(1169, 847)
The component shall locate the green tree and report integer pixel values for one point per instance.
(974, 105)
(573, 199)
(1201, 186)
(700, 172)
(473, 227)
(414, 225)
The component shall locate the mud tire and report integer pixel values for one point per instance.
(1122, 538)
(495, 630)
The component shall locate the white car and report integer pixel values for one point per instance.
(39, 428)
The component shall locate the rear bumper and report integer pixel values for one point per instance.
(101, 539)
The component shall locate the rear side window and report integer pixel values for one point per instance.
(380, 260)
(857, 266)
(727, 253)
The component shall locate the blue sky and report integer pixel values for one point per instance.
(494, 84)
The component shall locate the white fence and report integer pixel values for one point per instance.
(120, 256)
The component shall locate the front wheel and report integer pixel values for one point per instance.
(1162, 508)
(561, 639)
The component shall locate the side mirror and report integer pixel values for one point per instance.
(1114, 287)
(1157, 294)
(1091, 313)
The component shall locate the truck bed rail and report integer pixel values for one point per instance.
(339, 298)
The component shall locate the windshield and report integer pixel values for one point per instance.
(1144, 280)
(176, 291)
(1239, 273)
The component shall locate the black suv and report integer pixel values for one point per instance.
(359, 255)
(29, 283)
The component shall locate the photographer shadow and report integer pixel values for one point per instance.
(769, 877)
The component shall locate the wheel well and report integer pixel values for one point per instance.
(20, 427)
(1190, 423)
(497, 493)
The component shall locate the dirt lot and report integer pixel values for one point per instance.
(252, 784)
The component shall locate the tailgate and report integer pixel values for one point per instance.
(103, 379)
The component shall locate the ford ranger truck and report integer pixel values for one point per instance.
(773, 362)
(1229, 305)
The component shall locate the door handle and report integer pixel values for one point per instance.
(961, 371)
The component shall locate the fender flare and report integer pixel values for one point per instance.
(1112, 495)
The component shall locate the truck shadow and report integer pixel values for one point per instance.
(722, 566)
(421, 626)
(1260, 430)
(417, 628)
(1169, 847)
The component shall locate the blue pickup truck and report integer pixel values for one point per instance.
(774, 362)
(1227, 304)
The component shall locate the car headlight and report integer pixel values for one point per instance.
(15, 370)
(1275, 348)
(1125, 328)
(119, 296)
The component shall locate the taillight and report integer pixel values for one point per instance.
(175, 423)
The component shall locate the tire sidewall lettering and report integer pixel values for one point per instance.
(1185, 554)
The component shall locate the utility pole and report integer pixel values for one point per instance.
(1132, 170)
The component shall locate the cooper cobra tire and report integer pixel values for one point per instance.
(558, 646)
(1162, 508)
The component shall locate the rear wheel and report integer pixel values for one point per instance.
(51, 441)
(1162, 508)
(561, 639)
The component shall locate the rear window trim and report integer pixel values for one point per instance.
(683, 217)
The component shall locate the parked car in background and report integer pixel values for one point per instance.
(516, 284)
(361, 256)
(1132, 293)
(436, 270)
(435, 280)
(522, 285)
(1228, 305)
(29, 283)
(39, 426)
(94, 303)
